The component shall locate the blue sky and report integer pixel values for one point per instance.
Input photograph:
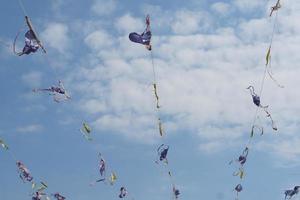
(206, 54)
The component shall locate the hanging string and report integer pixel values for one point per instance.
(153, 66)
(22, 7)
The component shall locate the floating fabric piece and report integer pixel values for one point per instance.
(162, 153)
(240, 173)
(256, 101)
(24, 173)
(30, 26)
(32, 42)
(290, 193)
(86, 131)
(176, 192)
(156, 96)
(41, 187)
(100, 180)
(38, 195)
(160, 127)
(123, 192)
(242, 158)
(58, 92)
(268, 56)
(276, 7)
(3, 145)
(31, 45)
(102, 167)
(113, 178)
(143, 38)
(255, 97)
(238, 189)
(268, 65)
(58, 196)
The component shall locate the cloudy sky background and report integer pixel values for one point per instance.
(206, 54)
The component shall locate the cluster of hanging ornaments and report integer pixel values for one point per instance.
(256, 125)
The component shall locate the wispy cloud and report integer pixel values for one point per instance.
(221, 8)
(32, 79)
(56, 36)
(187, 22)
(32, 128)
(127, 23)
(104, 7)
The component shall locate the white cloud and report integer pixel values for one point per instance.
(221, 8)
(99, 39)
(56, 36)
(128, 23)
(57, 4)
(33, 128)
(138, 127)
(187, 22)
(32, 79)
(93, 106)
(249, 6)
(6, 48)
(104, 7)
(287, 149)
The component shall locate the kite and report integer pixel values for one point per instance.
(113, 178)
(240, 173)
(156, 96)
(123, 192)
(268, 56)
(58, 92)
(102, 166)
(241, 160)
(276, 7)
(160, 127)
(145, 37)
(58, 196)
(39, 188)
(24, 173)
(255, 97)
(86, 131)
(32, 42)
(256, 101)
(238, 189)
(269, 70)
(4, 146)
(38, 195)
(176, 192)
(162, 153)
(290, 193)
